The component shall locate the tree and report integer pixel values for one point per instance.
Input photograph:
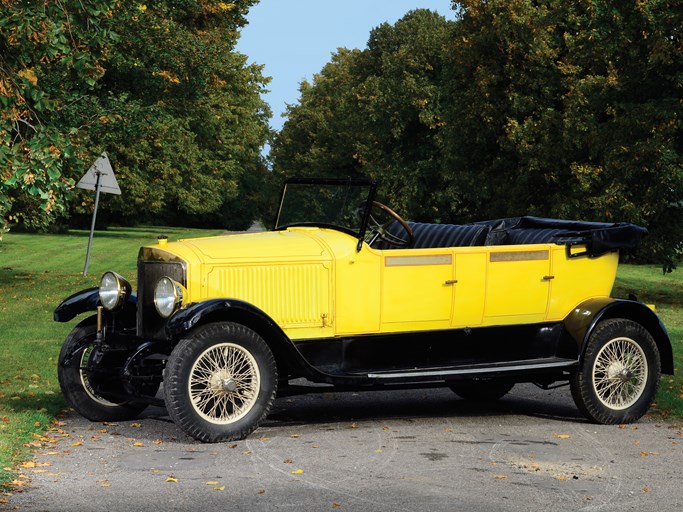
(375, 112)
(51, 55)
(175, 107)
(572, 110)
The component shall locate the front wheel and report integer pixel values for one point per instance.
(220, 382)
(620, 373)
(86, 377)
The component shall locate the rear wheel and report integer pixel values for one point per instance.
(481, 390)
(220, 382)
(87, 389)
(620, 373)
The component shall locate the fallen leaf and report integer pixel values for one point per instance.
(288, 461)
(248, 452)
(295, 436)
(353, 425)
(261, 491)
(232, 446)
(138, 444)
(136, 425)
(315, 446)
(562, 436)
(212, 483)
(77, 443)
(297, 472)
(157, 441)
(561, 478)
(264, 439)
(336, 505)
(28, 465)
(500, 477)
(221, 488)
(646, 489)
(172, 479)
(379, 450)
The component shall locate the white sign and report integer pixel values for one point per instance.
(108, 183)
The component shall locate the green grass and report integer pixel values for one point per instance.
(665, 291)
(38, 271)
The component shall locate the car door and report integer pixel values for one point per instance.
(416, 289)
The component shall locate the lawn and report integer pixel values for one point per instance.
(38, 271)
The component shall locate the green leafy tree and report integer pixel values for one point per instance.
(375, 112)
(51, 55)
(570, 109)
(184, 118)
(175, 107)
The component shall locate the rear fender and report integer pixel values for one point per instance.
(581, 323)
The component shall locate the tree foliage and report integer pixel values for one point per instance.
(375, 112)
(564, 109)
(51, 55)
(176, 108)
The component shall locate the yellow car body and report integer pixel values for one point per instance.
(335, 296)
(307, 280)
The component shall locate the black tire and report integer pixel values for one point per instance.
(77, 384)
(204, 395)
(619, 376)
(481, 390)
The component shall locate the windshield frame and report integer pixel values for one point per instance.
(367, 183)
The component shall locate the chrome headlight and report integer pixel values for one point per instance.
(114, 290)
(168, 296)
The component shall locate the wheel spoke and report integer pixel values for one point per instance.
(224, 383)
(620, 373)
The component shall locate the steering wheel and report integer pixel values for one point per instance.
(379, 230)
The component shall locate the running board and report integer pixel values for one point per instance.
(480, 370)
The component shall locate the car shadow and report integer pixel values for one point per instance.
(413, 404)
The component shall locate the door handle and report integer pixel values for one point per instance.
(548, 278)
(450, 282)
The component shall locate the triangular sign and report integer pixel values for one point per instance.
(108, 182)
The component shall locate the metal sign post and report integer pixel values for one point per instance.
(92, 224)
(100, 178)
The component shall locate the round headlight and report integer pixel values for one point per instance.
(114, 290)
(168, 296)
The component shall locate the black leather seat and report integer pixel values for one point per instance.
(438, 235)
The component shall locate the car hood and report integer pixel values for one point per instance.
(292, 244)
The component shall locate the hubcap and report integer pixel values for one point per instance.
(620, 373)
(224, 383)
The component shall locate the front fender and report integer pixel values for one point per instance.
(88, 300)
(79, 302)
(581, 323)
(233, 310)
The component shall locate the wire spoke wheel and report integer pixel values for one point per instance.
(220, 382)
(620, 373)
(86, 377)
(224, 383)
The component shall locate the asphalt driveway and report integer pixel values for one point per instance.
(422, 450)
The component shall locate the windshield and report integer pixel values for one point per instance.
(333, 203)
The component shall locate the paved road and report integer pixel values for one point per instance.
(393, 451)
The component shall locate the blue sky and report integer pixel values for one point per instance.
(294, 39)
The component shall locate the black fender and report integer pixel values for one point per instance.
(88, 300)
(79, 302)
(233, 310)
(581, 323)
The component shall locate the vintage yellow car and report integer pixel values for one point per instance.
(346, 293)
